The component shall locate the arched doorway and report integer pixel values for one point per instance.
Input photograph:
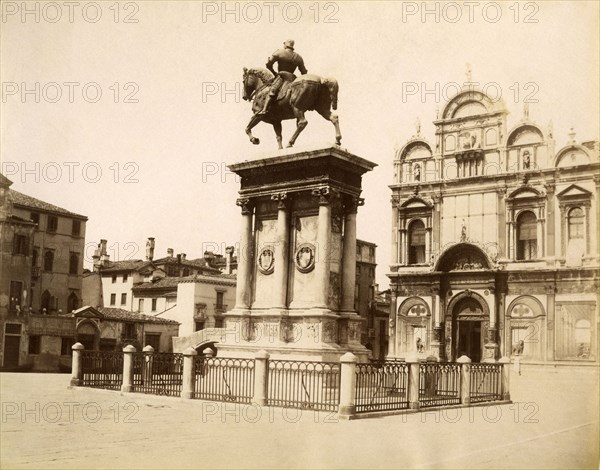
(88, 335)
(468, 314)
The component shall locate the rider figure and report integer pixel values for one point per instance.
(287, 61)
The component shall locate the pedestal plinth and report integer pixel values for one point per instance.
(297, 256)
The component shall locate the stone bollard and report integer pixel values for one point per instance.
(148, 364)
(413, 384)
(189, 373)
(261, 377)
(347, 406)
(127, 385)
(465, 382)
(505, 361)
(76, 365)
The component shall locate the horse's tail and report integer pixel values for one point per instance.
(332, 86)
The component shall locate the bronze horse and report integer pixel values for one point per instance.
(307, 92)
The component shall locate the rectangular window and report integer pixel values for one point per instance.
(65, 346)
(52, 225)
(73, 263)
(113, 299)
(129, 330)
(218, 323)
(76, 228)
(114, 279)
(13, 329)
(35, 218)
(21, 245)
(220, 296)
(199, 325)
(123, 299)
(125, 277)
(153, 339)
(35, 342)
(141, 305)
(16, 292)
(154, 305)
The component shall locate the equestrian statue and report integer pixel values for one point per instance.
(281, 95)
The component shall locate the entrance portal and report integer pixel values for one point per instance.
(469, 340)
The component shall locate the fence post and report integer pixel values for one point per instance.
(189, 374)
(127, 385)
(261, 377)
(148, 363)
(465, 379)
(505, 361)
(76, 365)
(347, 406)
(413, 384)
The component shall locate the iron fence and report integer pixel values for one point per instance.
(102, 369)
(224, 379)
(304, 384)
(486, 382)
(158, 373)
(381, 386)
(439, 384)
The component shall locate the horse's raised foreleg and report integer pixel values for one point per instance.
(254, 120)
(277, 129)
(327, 114)
(301, 123)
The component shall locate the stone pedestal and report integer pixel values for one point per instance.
(297, 256)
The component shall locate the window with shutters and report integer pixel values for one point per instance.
(526, 236)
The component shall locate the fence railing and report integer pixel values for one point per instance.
(304, 384)
(345, 386)
(486, 382)
(224, 379)
(158, 373)
(102, 369)
(439, 384)
(381, 386)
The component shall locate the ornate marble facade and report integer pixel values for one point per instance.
(495, 239)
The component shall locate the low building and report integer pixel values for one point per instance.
(111, 329)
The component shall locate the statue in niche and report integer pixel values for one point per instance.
(420, 346)
(463, 231)
(417, 172)
(526, 160)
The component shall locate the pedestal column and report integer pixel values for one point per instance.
(245, 256)
(392, 323)
(395, 232)
(323, 247)
(349, 254)
(281, 251)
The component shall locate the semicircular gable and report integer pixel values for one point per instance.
(572, 155)
(470, 103)
(415, 149)
(463, 257)
(525, 135)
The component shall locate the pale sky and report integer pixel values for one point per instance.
(174, 142)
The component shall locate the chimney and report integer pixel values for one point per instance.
(209, 256)
(228, 259)
(150, 249)
(170, 252)
(104, 257)
(179, 258)
(183, 255)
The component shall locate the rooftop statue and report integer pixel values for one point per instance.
(281, 95)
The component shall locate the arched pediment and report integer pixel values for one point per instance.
(525, 192)
(572, 155)
(414, 307)
(525, 306)
(471, 103)
(525, 134)
(414, 149)
(463, 257)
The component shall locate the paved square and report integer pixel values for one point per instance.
(553, 423)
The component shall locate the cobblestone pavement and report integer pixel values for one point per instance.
(553, 423)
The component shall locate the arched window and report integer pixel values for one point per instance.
(416, 242)
(526, 236)
(48, 260)
(72, 302)
(576, 220)
(73, 264)
(47, 303)
(34, 257)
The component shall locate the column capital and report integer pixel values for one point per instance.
(245, 204)
(325, 194)
(281, 198)
(395, 200)
(351, 204)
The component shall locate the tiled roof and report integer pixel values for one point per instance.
(4, 181)
(171, 282)
(195, 263)
(23, 200)
(119, 314)
(163, 283)
(125, 265)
